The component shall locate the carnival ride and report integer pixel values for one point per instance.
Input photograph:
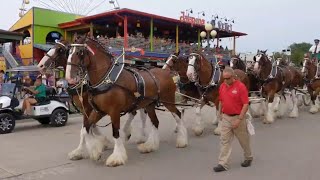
(80, 7)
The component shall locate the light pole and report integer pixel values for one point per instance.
(209, 31)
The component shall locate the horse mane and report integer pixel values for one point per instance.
(102, 46)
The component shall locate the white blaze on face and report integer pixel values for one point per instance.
(256, 64)
(231, 63)
(304, 66)
(191, 70)
(168, 62)
(68, 69)
(45, 58)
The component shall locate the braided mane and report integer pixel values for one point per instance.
(103, 46)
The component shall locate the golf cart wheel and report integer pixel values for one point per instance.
(7, 123)
(306, 99)
(59, 117)
(45, 120)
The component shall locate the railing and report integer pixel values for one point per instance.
(9, 58)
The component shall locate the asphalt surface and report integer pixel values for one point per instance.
(287, 149)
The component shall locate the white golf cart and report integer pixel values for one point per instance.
(53, 111)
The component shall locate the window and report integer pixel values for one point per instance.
(52, 37)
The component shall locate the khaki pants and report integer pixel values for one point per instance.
(227, 134)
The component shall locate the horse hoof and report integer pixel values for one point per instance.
(182, 142)
(198, 131)
(216, 131)
(96, 157)
(145, 148)
(116, 160)
(76, 155)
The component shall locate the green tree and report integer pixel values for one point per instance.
(298, 50)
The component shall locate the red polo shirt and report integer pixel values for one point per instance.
(233, 97)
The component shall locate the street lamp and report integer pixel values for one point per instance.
(209, 31)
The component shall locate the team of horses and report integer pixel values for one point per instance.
(101, 84)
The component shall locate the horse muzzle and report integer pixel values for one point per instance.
(72, 81)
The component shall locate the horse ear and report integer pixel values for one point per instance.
(74, 37)
(258, 51)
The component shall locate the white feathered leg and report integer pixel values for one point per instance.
(314, 107)
(283, 107)
(182, 134)
(269, 117)
(152, 143)
(295, 112)
(95, 143)
(81, 151)
(141, 133)
(215, 119)
(127, 127)
(198, 128)
(119, 155)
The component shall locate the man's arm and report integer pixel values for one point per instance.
(311, 49)
(220, 110)
(245, 101)
(243, 111)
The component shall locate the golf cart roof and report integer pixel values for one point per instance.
(24, 69)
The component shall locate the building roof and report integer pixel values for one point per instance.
(8, 36)
(117, 15)
(44, 47)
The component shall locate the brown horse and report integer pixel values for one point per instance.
(57, 57)
(276, 79)
(117, 90)
(237, 63)
(208, 78)
(179, 64)
(313, 83)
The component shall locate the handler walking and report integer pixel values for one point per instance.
(233, 106)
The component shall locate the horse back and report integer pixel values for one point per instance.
(242, 76)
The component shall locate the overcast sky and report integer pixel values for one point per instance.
(270, 24)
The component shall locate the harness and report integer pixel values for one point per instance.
(214, 80)
(109, 81)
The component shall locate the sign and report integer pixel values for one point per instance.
(224, 26)
(191, 20)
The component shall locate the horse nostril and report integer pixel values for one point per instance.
(41, 66)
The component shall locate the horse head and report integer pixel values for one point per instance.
(194, 66)
(261, 60)
(309, 67)
(237, 63)
(178, 64)
(55, 57)
(87, 55)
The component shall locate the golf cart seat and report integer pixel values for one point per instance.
(50, 92)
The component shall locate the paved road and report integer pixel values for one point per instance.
(287, 149)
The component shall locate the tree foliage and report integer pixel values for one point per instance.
(298, 50)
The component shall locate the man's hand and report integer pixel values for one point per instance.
(236, 123)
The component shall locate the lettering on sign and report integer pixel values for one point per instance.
(191, 20)
(224, 26)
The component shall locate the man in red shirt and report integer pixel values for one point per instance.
(233, 106)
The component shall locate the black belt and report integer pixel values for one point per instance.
(233, 114)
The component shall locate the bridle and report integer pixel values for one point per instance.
(171, 59)
(52, 64)
(197, 69)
